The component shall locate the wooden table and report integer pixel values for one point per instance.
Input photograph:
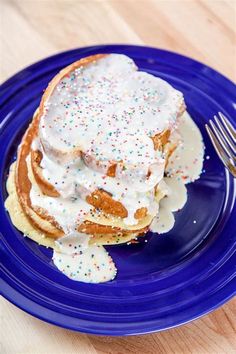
(31, 30)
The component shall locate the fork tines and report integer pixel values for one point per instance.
(223, 137)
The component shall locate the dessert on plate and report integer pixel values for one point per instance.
(104, 160)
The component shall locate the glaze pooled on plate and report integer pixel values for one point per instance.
(90, 265)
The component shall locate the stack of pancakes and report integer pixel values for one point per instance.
(57, 171)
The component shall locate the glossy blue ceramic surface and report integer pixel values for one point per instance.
(169, 280)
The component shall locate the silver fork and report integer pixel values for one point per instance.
(223, 137)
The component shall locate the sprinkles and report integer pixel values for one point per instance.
(93, 265)
(111, 109)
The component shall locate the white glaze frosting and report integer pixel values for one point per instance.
(176, 197)
(79, 266)
(92, 265)
(110, 110)
(187, 160)
(77, 181)
(73, 243)
(68, 212)
(81, 181)
(184, 166)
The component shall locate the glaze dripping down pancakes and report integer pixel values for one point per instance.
(91, 164)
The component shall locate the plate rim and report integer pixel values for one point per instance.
(5, 86)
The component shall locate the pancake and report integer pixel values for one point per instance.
(101, 181)
(99, 199)
(78, 68)
(24, 179)
(24, 224)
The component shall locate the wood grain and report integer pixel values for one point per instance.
(31, 30)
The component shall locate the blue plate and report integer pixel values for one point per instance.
(162, 283)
